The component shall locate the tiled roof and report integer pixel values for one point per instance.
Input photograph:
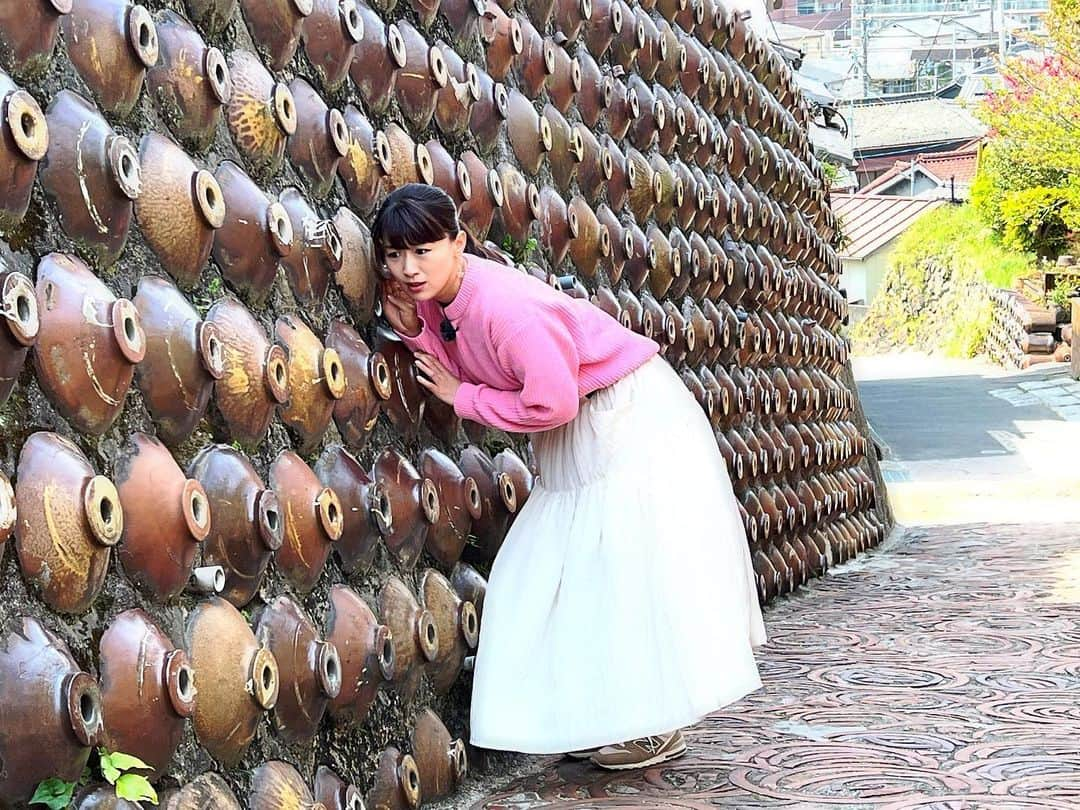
(870, 221)
(913, 123)
(959, 164)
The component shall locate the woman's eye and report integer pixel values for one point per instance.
(421, 251)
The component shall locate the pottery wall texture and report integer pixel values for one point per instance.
(237, 539)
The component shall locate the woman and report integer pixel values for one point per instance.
(621, 606)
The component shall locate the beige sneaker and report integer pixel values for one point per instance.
(585, 753)
(641, 753)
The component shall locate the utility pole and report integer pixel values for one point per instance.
(1001, 29)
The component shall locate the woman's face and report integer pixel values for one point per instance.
(426, 270)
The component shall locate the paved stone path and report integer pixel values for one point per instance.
(940, 671)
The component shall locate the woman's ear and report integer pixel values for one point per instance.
(461, 240)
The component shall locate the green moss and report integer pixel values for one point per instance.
(935, 294)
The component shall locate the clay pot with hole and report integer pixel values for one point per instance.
(261, 113)
(536, 63)
(645, 186)
(309, 669)
(703, 330)
(554, 224)
(313, 520)
(502, 39)
(365, 506)
(19, 326)
(414, 506)
(177, 339)
(256, 375)
(378, 55)
(530, 133)
(589, 241)
(486, 196)
(408, 399)
(441, 760)
(166, 518)
(275, 27)
(706, 267)
(92, 176)
(88, 344)
(412, 632)
(367, 161)
(28, 34)
(665, 263)
(246, 520)
(469, 585)
(669, 9)
(662, 327)
(488, 112)
(458, 628)
(421, 75)
(356, 277)
(566, 151)
(464, 18)
(696, 70)
(596, 93)
(605, 300)
(459, 506)
(211, 15)
(147, 691)
(366, 652)
(623, 111)
(396, 783)
(179, 208)
(111, 43)
(51, 708)
(317, 251)
(621, 241)
(317, 378)
(685, 339)
(652, 48)
(521, 203)
(680, 245)
(237, 679)
(667, 187)
(702, 395)
(674, 128)
(409, 160)
(605, 23)
(622, 179)
(255, 234)
(499, 501)
(24, 140)
(673, 59)
(369, 384)
(596, 168)
(454, 101)
(571, 17)
(565, 81)
(278, 785)
(320, 138)
(335, 793)
(637, 266)
(330, 33)
(644, 128)
(57, 487)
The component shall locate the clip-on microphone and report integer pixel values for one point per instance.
(447, 330)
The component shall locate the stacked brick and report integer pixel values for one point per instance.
(241, 543)
(1023, 333)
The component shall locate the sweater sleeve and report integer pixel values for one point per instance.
(429, 341)
(542, 356)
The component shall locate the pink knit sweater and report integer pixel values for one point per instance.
(526, 354)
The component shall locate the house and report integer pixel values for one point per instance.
(871, 224)
(946, 175)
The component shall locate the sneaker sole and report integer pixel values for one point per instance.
(581, 755)
(667, 756)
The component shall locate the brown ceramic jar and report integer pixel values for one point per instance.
(440, 760)
(421, 76)
(237, 679)
(111, 43)
(379, 54)
(166, 518)
(458, 628)
(366, 651)
(530, 133)
(24, 140)
(205, 792)
(396, 784)
(335, 793)
(414, 505)
(319, 141)
(51, 711)
(312, 520)
(147, 691)
(498, 502)
(407, 403)
(367, 161)
(256, 375)
(317, 379)
(330, 33)
(521, 203)
(317, 251)
(275, 27)
(459, 506)
(92, 176)
(413, 633)
(365, 507)
(19, 327)
(261, 112)
(309, 669)
(28, 34)
(247, 520)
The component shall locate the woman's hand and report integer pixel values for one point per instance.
(435, 377)
(400, 309)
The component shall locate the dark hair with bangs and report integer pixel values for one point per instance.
(416, 214)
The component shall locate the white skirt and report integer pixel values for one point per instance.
(622, 602)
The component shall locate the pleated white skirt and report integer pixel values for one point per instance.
(622, 601)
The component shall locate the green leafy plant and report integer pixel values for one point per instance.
(1065, 289)
(116, 768)
(1034, 219)
(519, 251)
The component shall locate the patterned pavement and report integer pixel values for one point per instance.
(942, 671)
